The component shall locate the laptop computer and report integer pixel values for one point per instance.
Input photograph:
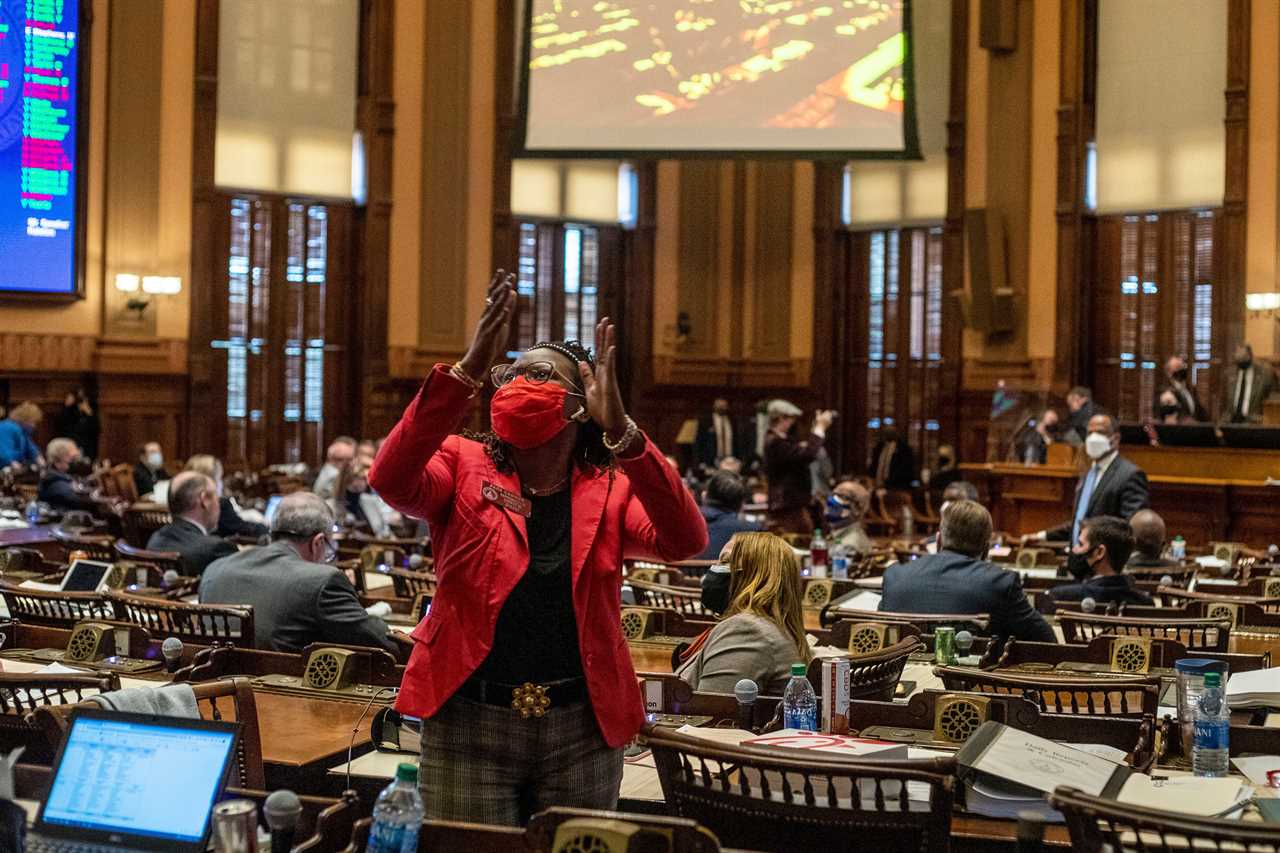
(134, 782)
(86, 576)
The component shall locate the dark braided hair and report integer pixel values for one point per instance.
(589, 450)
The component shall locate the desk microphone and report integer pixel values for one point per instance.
(415, 561)
(171, 648)
(282, 810)
(1166, 580)
(746, 692)
(171, 578)
(964, 642)
(1088, 605)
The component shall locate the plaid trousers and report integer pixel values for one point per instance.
(485, 764)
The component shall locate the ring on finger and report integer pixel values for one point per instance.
(488, 301)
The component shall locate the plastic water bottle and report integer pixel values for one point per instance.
(818, 555)
(840, 561)
(33, 513)
(799, 702)
(1209, 750)
(397, 815)
(1178, 548)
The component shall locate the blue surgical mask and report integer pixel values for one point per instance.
(838, 511)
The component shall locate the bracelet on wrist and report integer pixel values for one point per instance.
(628, 436)
(457, 372)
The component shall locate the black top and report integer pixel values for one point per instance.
(1109, 589)
(536, 638)
(62, 491)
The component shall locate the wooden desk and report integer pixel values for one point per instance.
(1027, 498)
(650, 658)
(39, 538)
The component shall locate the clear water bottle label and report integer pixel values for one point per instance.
(1211, 734)
(805, 719)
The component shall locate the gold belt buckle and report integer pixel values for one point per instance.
(530, 699)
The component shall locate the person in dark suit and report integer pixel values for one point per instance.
(893, 462)
(149, 469)
(193, 501)
(79, 422)
(1246, 388)
(1180, 402)
(720, 435)
(58, 488)
(1112, 485)
(721, 503)
(1080, 405)
(1148, 543)
(229, 521)
(298, 598)
(958, 579)
(1105, 543)
(786, 465)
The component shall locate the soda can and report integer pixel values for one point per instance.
(235, 826)
(944, 645)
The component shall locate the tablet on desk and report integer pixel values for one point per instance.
(86, 576)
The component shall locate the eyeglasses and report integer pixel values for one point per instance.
(537, 373)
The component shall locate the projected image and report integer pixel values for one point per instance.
(716, 74)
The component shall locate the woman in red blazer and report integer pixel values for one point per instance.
(520, 672)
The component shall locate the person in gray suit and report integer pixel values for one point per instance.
(297, 597)
(193, 500)
(958, 579)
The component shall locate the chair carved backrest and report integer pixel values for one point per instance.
(204, 624)
(861, 638)
(682, 599)
(409, 583)
(121, 481)
(654, 573)
(139, 522)
(976, 623)
(873, 676)
(54, 609)
(229, 699)
(162, 560)
(1196, 634)
(22, 693)
(379, 558)
(761, 798)
(567, 830)
(94, 546)
(1097, 823)
(1107, 696)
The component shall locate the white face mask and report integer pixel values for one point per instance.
(155, 460)
(1097, 445)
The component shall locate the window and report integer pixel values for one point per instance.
(1154, 298)
(904, 380)
(276, 346)
(558, 281)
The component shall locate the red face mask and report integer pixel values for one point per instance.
(526, 415)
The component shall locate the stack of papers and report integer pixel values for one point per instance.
(1197, 796)
(861, 601)
(1257, 689)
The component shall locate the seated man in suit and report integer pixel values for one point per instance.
(958, 579)
(1111, 486)
(58, 488)
(149, 469)
(846, 510)
(193, 501)
(1176, 398)
(1105, 543)
(297, 597)
(721, 504)
(720, 436)
(1148, 538)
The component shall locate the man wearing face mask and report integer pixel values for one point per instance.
(1177, 398)
(150, 468)
(520, 673)
(193, 501)
(61, 487)
(846, 509)
(1105, 545)
(1112, 485)
(787, 461)
(1246, 389)
(298, 596)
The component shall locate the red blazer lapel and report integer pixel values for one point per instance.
(590, 495)
(511, 483)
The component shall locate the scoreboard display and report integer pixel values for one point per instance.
(39, 135)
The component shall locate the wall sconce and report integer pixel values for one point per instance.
(151, 285)
(1262, 304)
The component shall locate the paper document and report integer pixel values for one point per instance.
(862, 601)
(1259, 688)
(1192, 795)
(733, 737)
(1041, 764)
(1256, 767)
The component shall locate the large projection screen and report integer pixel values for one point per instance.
(40, 140)
(661, 78)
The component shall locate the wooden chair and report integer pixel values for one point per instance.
(163, 560)
(682, 599)
(95, 547)
(141, 520)
(873, 676)
(975, 623)
(54, 609)
(409, 583)
(773, 799)
(861, 638)
(228, 699)
(203, 624)
(1113, 653)
(1096, 823)
(22, 693)
(117, 482)
(1106, 695)
(659, 574)
(1196, 634)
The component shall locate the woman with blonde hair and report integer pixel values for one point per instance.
(17, 432)
(762, 633)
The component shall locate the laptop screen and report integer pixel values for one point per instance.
(85, 576)
(156, 779)
(273, 504)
